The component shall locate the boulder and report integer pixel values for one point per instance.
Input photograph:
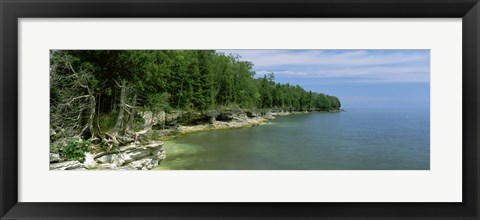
(54, 158)
(89, 161)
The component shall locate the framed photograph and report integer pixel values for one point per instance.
(224, 109)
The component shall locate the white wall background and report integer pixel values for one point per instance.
(440, 184)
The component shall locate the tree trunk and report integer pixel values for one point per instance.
(91, 116)
(132, 113)
(121, 109)
(114, 103)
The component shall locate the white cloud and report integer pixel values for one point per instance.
(365, 66)
(263, 58)
(283, 73)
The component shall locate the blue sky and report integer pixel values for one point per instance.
(360, 78)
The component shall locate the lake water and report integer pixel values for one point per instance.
(357, 139)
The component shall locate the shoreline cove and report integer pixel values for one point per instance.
(362, 139)
(148, 154)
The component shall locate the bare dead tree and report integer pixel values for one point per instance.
(121, 111)
(132, 113)
(82, 80)
(73, 105)
(122, 133)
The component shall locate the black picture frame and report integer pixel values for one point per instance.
(12, 10)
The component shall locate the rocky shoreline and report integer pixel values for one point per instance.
(134, 156)
(146, 154)
(224, 120)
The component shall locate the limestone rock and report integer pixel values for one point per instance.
(67, 165)
(109, 158)
(144, 164)
(134, 156)
(171, 119)
(54, 158)
(89, 161)
(268, 115)
(106, 166)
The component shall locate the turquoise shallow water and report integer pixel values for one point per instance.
(357, 139)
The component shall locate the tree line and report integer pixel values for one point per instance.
(86, 84)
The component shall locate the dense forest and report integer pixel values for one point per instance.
(88, 86)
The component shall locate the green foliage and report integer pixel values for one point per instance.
(158, 101)
(53, 147)
(107, 121)
(152, 135)
(138, 123)
(75, 149)
(163, 80)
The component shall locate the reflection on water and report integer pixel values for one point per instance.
(356, 139)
